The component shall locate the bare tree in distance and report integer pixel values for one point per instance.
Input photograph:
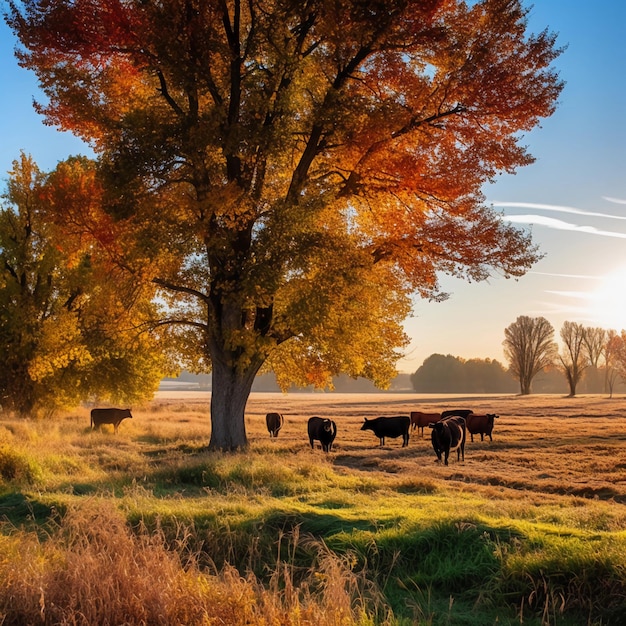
(529, 347)
(613, 350)
(573, 357)
(594, 344)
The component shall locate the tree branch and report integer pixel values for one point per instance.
(178, 322)
(412, 125)
(166, 94)
(181, 289)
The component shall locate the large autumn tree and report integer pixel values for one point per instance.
(290, 172)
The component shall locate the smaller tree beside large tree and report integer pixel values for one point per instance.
(594, 346)
(529, 348)
(68, 328)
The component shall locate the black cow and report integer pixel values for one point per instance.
(274, 423)
(324, 430)
(447, 436)
(389, 427)
(458, 412)
(480, 425)
(108, 416)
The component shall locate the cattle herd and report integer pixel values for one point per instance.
(448, 429)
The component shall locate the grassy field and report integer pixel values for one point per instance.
(147, 527)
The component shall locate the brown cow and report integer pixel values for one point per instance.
(108, 416)
(421, 420)
(480, 425)
(274, 422)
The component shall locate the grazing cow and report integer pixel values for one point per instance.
(108, 416)
(447, 436)
(458, 412)
(389, 427)
(480, 425)
(421, 420)
(324, 430)
(274, 423)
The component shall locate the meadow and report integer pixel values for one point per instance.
(148, 527)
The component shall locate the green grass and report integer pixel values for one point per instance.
(300, 529)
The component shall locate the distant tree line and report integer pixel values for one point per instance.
(588, 360)
(451, 374)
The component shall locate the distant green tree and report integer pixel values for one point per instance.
(529, 347)
(488, 376)
(450, 374)
(438, 374)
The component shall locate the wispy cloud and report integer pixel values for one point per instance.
(579, 295)
(550, 222)
(576, 276)
(562, 209)
(614, 200)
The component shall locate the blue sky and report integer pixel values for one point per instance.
(573, 197)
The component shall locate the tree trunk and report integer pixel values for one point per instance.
(229, 396)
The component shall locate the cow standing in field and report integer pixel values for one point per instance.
(274, 422)
(447, 436)
(480, 425)
(457, 412)
(382, 427)
(108, 416)
(420, 420)
(322, 429)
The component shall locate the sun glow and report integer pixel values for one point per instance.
(608, 302)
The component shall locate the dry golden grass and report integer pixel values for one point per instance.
(96, 571)
(549, 489)
(551, 445)
(553, 459)
(546, 449)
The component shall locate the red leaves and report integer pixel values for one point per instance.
(83, 29)
(73, 196)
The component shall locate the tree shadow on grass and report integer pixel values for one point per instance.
(23, 511)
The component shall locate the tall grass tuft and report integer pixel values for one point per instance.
(16, 466)
(93, 569)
